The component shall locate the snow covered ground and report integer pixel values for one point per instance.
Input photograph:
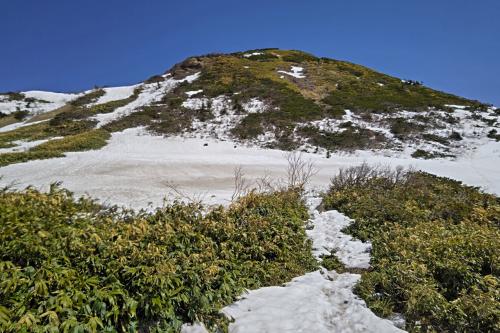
(44, 101)
(296, 72)
(320, 301)
(136, 168)
(116, 93)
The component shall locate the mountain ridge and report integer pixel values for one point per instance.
(272, 98)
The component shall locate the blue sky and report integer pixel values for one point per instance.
(61, 45)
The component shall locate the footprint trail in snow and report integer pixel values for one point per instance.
(320, 301)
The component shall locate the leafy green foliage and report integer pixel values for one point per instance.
(93, 139)
(435, 247)
(298, 57)
(20, 114)
(73, 265)
(366, 95)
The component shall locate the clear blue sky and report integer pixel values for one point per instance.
(63, 45)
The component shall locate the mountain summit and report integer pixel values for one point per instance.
(272, 98)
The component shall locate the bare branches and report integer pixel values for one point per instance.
(241, 184)
(361, 174)
(183, 196)
(299, 171)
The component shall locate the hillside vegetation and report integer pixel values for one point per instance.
(300, 102)
(72, 265)
(436, 247)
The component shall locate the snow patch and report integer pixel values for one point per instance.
(248, 55)
(327, 236)
(255, 105)
(295, 72)
(193, 92)
(116, 93)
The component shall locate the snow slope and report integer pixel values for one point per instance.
(136, 168)
(116, 93)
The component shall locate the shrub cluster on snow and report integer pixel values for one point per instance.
(435, 247)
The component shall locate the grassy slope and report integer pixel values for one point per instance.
(72, 265)
(436, 246)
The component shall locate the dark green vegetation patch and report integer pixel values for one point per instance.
(71, 265)
(436, 247)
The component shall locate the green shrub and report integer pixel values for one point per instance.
(435, 245)
(93, 139)
(493, 134)
(155, 79)
(262, 57)
(298, 57)
(25, 156)
(436, 138)
(73, 265)
(421, 153)
(455, 136)
(351, 138)
(402, 128)
(20, 114)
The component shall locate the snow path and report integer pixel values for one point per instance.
(320, 301)
(327, 236)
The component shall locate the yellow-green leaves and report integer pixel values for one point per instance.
(71, 265)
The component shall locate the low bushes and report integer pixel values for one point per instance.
(72, 265)
(93, 139)
(351, 138)
(435, 247)
(21, 157)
